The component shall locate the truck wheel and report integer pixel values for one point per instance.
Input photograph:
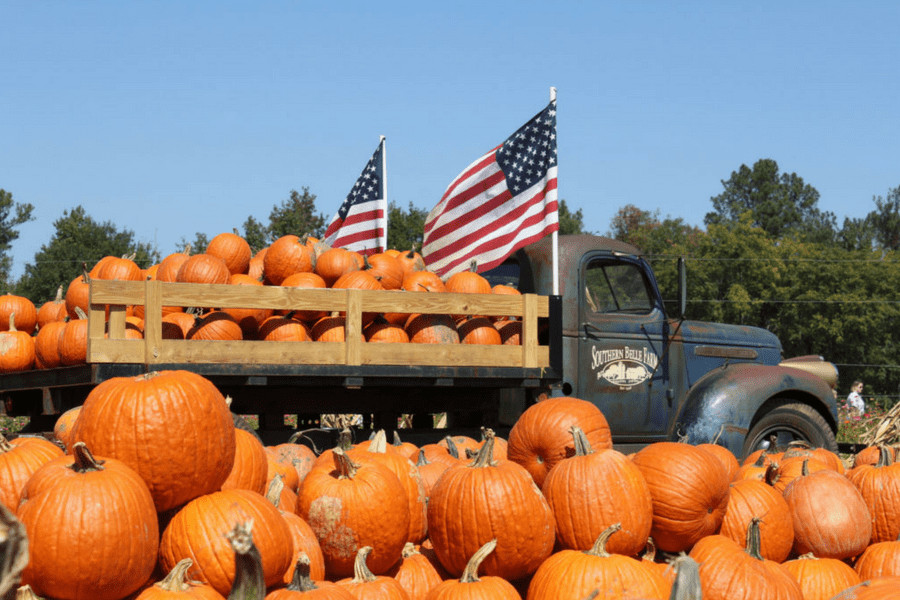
(790, 422)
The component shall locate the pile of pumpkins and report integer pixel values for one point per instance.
(58, 328)
(141, 491)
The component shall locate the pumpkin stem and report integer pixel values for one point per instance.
(345, 467)
(804, 470)
(12, 321)
(5, 446)
(302, 582)
(599, 547)
(26, 593)
(397, 441)
(409, 549)
(470, 573)
(687, 579)
(452, 449)
(884, 456)
(249, 581)
(753, 539)
(379, 442)
(84, 460)
(273, 493)
(423, 460)
(485, 456)
(176, 580)
(582, 445)
(361, 572)
(345, 439)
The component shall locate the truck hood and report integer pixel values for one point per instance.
(720, 334)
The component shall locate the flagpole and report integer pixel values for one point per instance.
(384, 183)
(555, 235)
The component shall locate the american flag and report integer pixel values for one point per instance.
(361, 222)
(503, 201)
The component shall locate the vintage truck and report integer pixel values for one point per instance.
(605, 337)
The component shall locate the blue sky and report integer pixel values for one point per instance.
(170, 118)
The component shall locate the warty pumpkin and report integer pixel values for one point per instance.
(351, 505)
(148, 412)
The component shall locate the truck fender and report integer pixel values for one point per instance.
(725, 403)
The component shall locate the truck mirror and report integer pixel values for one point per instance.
(682, 287)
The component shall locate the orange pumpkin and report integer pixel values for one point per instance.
(232, 249)
(285, 256)
(251, 466)
(364, 585)
(203, 268)
(17, 310)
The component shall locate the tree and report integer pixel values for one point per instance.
(570, 222)
(12, 215)
(643, 230)
(779, 203)
(885, 219)
(79, 240)
(197, 246)
(256, 234)
(296, 216)
(405, 228)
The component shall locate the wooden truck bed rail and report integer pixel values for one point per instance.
(107, 342)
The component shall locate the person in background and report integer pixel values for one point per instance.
(855, 400)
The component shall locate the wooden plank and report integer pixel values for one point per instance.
(152, 321)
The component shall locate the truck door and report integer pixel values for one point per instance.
(621, 346)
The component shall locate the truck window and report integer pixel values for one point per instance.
(618, 287)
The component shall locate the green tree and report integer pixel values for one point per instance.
(78, 240)
(780, 203)
(570, 222)
(12, 214)
(196, 246)
(644, 230)
(296, 216)
(405, 228)
(885, 219)
(256, 234)
(857, 234)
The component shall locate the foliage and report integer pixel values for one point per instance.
(296, 216)
(256, 234)
(405, 228)
(8, 232)
(570, 222)
(885, 219)
(79, 240)
(779, 203)
(197, 246)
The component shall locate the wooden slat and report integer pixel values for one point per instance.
(153, 349)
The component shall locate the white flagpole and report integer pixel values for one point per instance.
(384, 184)
(555, 234)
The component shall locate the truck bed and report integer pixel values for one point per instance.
(271, 379)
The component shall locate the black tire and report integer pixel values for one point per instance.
(790, 422)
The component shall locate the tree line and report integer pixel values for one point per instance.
(767, 257)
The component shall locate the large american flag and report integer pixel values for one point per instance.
(361, 222)
(503, 201)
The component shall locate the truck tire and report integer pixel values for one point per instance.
(788, 422)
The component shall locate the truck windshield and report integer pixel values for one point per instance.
(618, 287)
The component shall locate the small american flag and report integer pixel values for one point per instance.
(361, 222)
(503, 201)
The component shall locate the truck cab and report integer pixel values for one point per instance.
(661, 377)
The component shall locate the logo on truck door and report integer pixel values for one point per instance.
(625, 367)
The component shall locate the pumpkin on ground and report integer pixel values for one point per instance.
(19, 460)
(352, 505)
(364, 585)
(821, 578)
(728, 571)
(198, 531)
(879, 486)
(689, 490)
(541, 436)
(415, 573)
(135, 419)
(749, 499)
(830, 516)
(304, 587)
(178, 586)
(472, 587)
(250, 468)
(92, 528)
(487, 500)
(575, 574)
(594, 489)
